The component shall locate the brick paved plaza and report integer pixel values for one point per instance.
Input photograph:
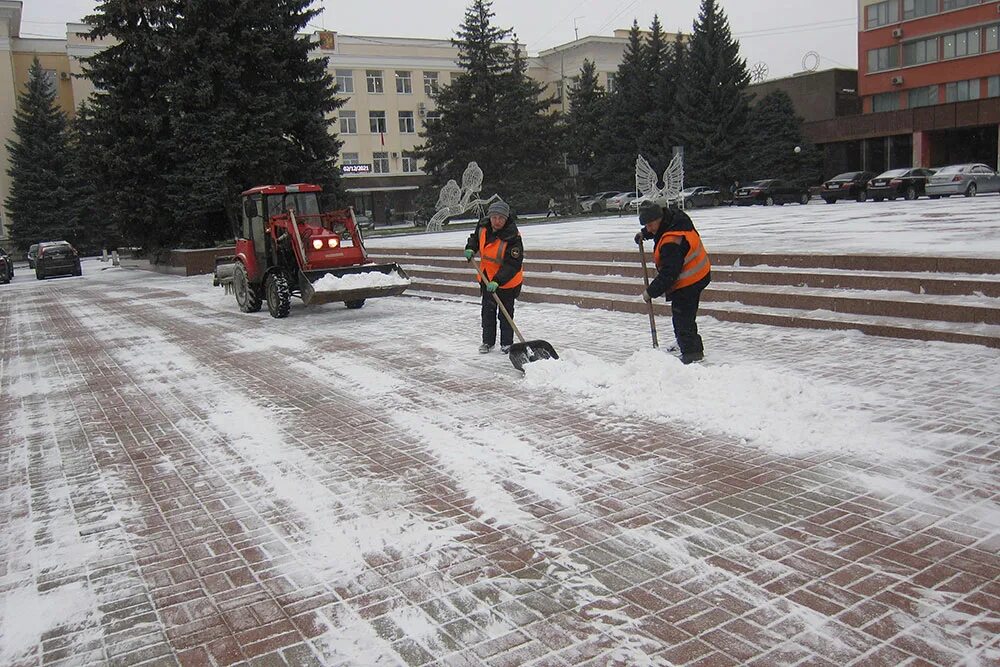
(185, 484)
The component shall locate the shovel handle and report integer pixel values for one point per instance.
(503, 309)
(645, 279)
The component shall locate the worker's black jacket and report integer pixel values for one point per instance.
(672, 254)
(513, 256)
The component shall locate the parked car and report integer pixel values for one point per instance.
(701, 195)
(6, 267)
(849, 185)
(32, 252)
(905, 183)
(963, 179)
(57, 258)
(771, 191)
(622, 200)
(598, 202)
(364, 222)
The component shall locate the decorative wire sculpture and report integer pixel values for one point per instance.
(759, 72)
(455, 200)
(810, 61)
(647, 182)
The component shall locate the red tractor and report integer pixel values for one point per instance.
(286, 247)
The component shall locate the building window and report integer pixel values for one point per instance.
(349, 158)
(965, 43)
(993, 86)
(922, 97)
(993, 38)
(430, 84)
(345, 81)
(885, 102)
(882, 13)
(956, 4)
(914, 8)
(404, 86)
(882, 59)
(409, 165)
(348, 122)
(924, 51)
(380, 163)
(960, 91)
(374, 77)
(376, 122)
(611, 83)
(406, 125)
(432, 116)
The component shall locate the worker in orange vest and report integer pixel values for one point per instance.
(683, 271)
(498, 242)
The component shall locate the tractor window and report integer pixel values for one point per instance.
(303, 203)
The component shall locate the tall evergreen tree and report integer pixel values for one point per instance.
(628, 102)
(712, 103)
(774, 132)
(38, 201)
(584, 122)
(655, 141)
(492, 114)
(91, 210)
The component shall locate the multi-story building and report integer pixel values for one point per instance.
(388, 84)
(929, 80)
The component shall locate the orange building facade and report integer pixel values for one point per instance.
(933, 65)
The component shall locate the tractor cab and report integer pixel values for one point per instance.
(286, 245)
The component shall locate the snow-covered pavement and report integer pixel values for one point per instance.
(183, 483)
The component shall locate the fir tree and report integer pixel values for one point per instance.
(491, 114)
(655, 139)
(584, 122)
(712, 103)
(774, 132)
(90, 210)
(628, 102)
(38, 201)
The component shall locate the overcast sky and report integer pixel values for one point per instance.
(774, 32)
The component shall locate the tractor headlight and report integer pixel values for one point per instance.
(318, 244)
(332, 242)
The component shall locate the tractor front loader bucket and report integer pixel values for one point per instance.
(352, 283)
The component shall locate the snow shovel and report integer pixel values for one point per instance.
(527, 350)
(645, 279)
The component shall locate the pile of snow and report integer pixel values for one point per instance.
(777, 409)
(332, 283)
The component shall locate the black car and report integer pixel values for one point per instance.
(905, 183)
(6, 267)
(32, 252)
(771, 191)
(701, 195)
(57, 258)
(849, 185)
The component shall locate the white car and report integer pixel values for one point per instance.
(598, 203)
(622, 200)
(962, 179)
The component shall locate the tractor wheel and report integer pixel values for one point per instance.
(354, 305)
(279, 298)
(248, 296)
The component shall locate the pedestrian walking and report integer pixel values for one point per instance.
(552, 207)
(683, 271)
(498, 242)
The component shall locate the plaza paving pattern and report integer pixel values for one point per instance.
(185, 484)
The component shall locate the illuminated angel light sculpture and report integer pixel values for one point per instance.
(647, 182)
(455, 200)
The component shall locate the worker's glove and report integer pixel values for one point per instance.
(646, 297)
(638, 238)
(468, 254)
(492, 286)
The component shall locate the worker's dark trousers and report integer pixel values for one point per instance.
(491, 314)
(684, 308)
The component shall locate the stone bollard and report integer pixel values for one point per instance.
(104, 254)
(114, 258)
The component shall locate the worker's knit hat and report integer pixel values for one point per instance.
(499, 207)
(648, 212)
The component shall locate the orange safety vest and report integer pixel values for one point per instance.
(696, 264)
(492, 255)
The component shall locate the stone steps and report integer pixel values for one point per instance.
(924, 298)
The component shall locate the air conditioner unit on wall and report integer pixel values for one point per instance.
(897, 81)
(395, 155)
(897, 33)
(64, 76)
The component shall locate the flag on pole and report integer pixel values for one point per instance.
(381, 136)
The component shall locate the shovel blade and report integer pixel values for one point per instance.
(531, 350)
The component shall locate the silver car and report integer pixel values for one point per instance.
(963, 179)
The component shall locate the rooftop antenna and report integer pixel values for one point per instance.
(576, 31)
